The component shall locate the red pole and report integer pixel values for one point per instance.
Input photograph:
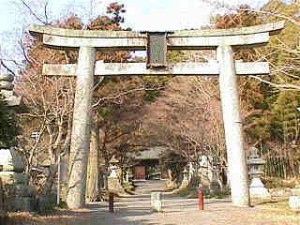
(111, 202)
(201, 199)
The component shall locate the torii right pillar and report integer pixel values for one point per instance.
(229, 92)
(233, 127)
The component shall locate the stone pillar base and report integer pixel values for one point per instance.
(294, 200)
(156, 201)
(257, 189)
(294, 203)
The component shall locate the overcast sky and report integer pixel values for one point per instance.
(141, 15)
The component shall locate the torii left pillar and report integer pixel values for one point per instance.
(80, 138)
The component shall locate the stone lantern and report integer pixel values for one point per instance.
(18, 194)
(185, 174)
(185, 178)
(256, 164)
(114, 184)
(215, 183)
(294, 199)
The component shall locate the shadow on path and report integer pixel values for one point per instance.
(135, 210)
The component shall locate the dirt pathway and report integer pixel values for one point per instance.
(135, 210)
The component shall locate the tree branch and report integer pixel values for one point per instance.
(125, 93)
(291, 87)
(45, 22)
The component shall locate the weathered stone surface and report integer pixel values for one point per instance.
(212, 42)
(11, 161)
(184, 184)
(137, 41)
(18, 195)
(11, 98)
(80, 138)
(177, 69)
(271, 28)
(280, 192)
(294, 203)
(22, 190)
(114, 185)
(233, 128)
(37, 29)
(257, 189)
(156, 201)
(123, 43)
(215, 188)
(13, 178)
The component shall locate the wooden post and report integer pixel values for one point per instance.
(80, 139)
(58, 180)
(233, 127)
(111, 202)
(201, 198)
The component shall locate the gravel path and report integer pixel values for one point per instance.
(135, 210)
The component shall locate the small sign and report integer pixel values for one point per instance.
(157, 50)
(35, 134)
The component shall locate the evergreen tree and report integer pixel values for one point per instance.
(8, 129)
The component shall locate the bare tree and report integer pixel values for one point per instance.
(187, 119)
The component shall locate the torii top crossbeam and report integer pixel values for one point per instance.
(186, 39)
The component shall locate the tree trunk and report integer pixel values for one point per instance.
(106, 175)
(104, 155)
(93, 166)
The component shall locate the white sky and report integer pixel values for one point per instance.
(141, 15)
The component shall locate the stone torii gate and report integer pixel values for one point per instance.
(157, 44)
